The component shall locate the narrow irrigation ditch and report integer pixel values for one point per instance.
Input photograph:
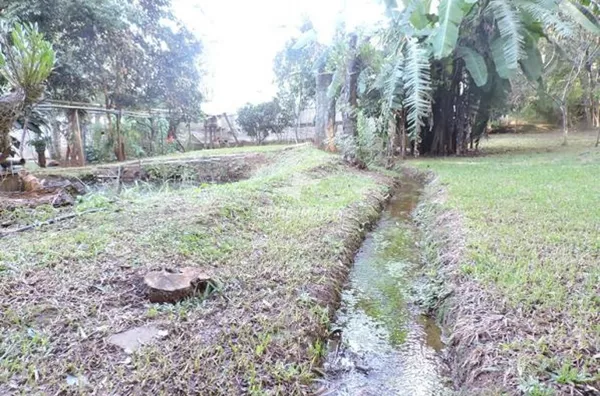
(381, 342)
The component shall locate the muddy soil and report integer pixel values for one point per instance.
(381, 343)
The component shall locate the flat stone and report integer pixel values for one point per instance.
(171, 287)
(133, 339)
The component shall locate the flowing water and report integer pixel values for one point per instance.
(381, 344)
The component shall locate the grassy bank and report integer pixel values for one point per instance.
(527, 299)
(278, 243)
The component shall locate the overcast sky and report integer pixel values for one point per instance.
(241, 38)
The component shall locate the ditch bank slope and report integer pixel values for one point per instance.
(279, 244)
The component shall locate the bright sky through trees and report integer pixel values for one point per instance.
(242, 37)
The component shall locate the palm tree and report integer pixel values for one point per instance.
(25, 63)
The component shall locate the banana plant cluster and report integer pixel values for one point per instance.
(447, 67)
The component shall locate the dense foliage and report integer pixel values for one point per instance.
(124, 54)
(26, 61)
(436, 74)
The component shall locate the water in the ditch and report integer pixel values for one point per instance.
(386, 347)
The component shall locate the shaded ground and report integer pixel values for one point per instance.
(526, 310)
(278, 243)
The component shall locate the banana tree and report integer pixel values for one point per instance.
(449, 67)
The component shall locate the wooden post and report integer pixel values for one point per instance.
(231, 129)
(79, 140)
(322, 116)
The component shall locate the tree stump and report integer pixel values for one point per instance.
(30, 182)
(171, 287)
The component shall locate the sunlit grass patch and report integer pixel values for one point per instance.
(532, 223)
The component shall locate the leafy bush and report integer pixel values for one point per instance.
(368, 146)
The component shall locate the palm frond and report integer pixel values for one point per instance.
(27, 60)
(497, 49)
(511, 31)
(547, 13)
(390, 83)
(417, 85)
(581, 15)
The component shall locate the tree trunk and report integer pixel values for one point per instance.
(589, 96)
(349, 121)
(41, 157)
(565, 123)
(331, 125)
(76, 153)
(231, 130)
(119, 143)
(206, 134)
(23, 136)
(322, 108)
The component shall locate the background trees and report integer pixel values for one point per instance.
(128, 55)
(263, 119)
(436, 75)
(294, 68)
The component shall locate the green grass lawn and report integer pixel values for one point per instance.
(278, 243)
(531, 216)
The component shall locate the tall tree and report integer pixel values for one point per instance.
(294, 69)
(451, 65)
(115, 51)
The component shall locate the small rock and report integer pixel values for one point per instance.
(62, 198)
(76, 380)
(132, 339)
(171, 287)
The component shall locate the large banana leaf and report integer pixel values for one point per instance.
(532, 65)
(546, 12)
(475, 65)
(581, 15)
(499, 58)
(445, 36)
(511, 31)
(417, 84)
(418, 10)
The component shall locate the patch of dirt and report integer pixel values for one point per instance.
(30, 192)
